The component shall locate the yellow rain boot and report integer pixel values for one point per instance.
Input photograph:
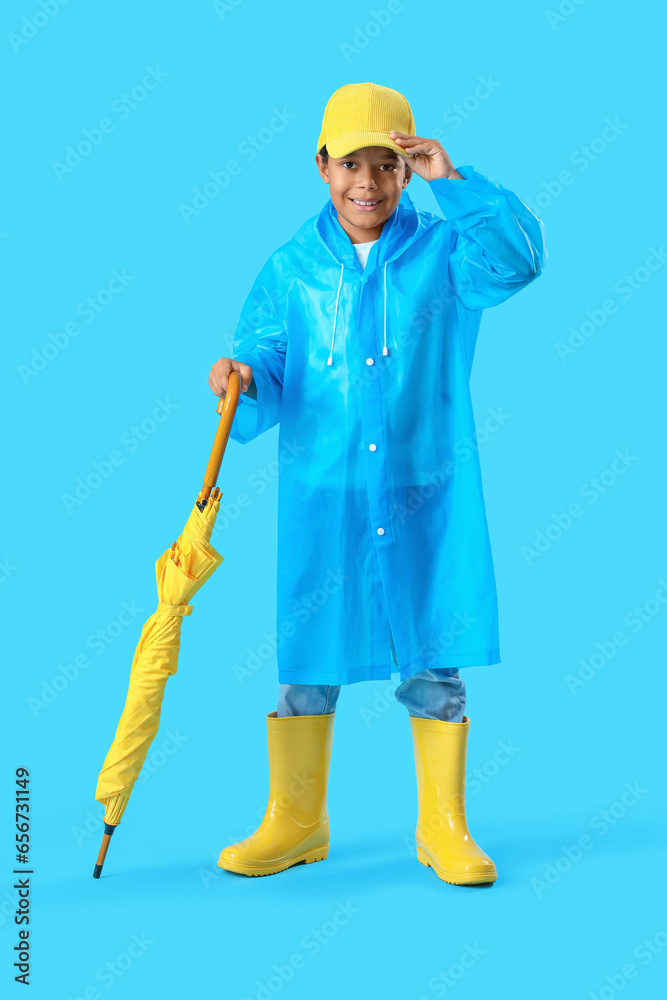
(296, 822)
(442, 836)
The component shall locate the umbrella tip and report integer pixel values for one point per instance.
(98, 871)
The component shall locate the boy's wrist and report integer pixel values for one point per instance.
(453, 175)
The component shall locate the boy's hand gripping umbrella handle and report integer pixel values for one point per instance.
(226, 408)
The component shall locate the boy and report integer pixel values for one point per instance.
(358, 337)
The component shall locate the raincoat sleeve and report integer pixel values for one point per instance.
(260, 341)
(499, 245)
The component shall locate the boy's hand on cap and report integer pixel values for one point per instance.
(427, 157)
(218, 378)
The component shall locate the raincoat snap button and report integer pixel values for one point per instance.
(369, 361)
(380, 531)
(372, 447)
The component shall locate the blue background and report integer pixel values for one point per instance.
(556, 79)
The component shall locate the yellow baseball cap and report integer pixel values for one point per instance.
(363, 114)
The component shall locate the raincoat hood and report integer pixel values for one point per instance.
(323, 236)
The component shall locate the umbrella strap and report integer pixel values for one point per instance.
(174, 610)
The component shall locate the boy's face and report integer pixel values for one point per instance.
(373, 173)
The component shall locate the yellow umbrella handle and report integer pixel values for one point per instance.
(108, 831)
(226, 408)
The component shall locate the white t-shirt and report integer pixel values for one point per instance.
(363, 250)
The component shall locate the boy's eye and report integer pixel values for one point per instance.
(345, 163)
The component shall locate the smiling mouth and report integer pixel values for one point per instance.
(366, 204)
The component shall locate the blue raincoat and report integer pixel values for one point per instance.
(382, 529)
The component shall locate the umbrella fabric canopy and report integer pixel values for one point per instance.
(180, 571)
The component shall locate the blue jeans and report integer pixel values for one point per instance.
(429, 694)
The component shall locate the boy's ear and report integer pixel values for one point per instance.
(322, 167)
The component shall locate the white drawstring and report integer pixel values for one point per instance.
(385, 352)
(333, 333)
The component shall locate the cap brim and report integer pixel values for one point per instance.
(345, 144)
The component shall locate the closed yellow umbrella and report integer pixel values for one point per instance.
(180, 572)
